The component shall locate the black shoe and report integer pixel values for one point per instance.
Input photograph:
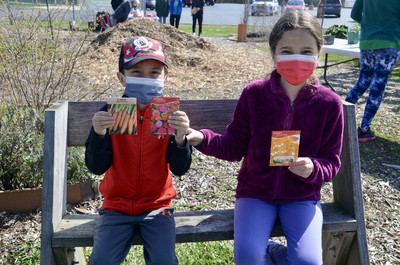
(365, 135)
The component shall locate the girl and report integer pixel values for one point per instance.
(291, 99)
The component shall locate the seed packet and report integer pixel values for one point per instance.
(284, 147)
(161, 108)
(124, 111)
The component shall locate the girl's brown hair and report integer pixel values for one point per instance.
(296, 20)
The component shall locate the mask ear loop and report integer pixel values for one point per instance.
(166, 73)
(122, 75)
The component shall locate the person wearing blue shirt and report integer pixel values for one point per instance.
(175, 10)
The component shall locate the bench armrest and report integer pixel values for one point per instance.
(54, 175)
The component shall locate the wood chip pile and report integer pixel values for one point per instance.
(197, 68)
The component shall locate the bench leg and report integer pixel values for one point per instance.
(355, 256)
(68, 256)
(337, 247)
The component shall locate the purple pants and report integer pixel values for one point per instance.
(301, 223)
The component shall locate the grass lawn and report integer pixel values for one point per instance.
(203, 253)
(211, 31)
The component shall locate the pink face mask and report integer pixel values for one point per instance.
(295, 68)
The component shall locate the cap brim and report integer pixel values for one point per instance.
(132, 63)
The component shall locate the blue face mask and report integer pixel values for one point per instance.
(143, 89)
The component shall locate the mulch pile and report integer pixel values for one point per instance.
(197, 68)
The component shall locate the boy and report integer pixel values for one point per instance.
(137, 186)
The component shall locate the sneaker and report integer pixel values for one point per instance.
(194, 34)
(199, 34)
(365, 135)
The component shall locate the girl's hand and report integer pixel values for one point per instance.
(195, 137)
(303, 167)
(180, 122)
(101, 121)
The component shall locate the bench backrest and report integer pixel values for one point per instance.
(210, 114)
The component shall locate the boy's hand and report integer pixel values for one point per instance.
(180, 122)
(303, 167)
(195, 137)
(101, 121)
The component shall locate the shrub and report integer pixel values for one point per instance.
(21, 147)
(76, 167)
(21, 150)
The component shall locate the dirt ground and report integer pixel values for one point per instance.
(219, 68)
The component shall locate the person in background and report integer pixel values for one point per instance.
(379, 52)
(162, 10)
(197, 15)
(122, 12)
(291, 99)
(175, 10)
(115, 3)
(137, 185)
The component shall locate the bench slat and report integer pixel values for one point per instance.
(78, 230)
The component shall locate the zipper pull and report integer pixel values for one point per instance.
(141, 119)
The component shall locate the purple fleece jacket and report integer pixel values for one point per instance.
(264, 107)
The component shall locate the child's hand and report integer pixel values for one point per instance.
(180, 122)
(195, 137)
(101, 121)
(303, 167)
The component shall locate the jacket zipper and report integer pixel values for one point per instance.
(140, 128)
(289, 117)
(287, 124)
(140, 150)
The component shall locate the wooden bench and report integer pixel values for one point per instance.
(63, 236)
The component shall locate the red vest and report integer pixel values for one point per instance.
(139, 180)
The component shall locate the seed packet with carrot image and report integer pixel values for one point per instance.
(124, 111)
(284, 147)
(161, 108)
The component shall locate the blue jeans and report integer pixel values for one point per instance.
(162, 20)
(301, 223)
(375, 69)
(115, 232)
